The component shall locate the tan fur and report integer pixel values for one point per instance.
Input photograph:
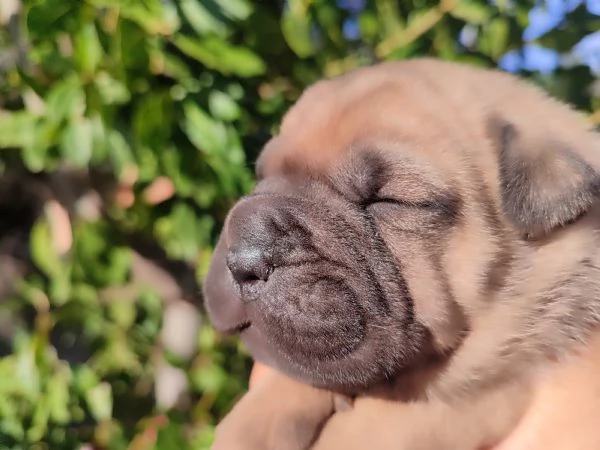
(521, 295)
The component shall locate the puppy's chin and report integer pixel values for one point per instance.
(331, 330)
(323, 324)
(334, 343)
(351, 375)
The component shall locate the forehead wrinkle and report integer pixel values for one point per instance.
(332, 115)
(322, 134)
(337, 92)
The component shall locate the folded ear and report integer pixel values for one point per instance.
(548, 177)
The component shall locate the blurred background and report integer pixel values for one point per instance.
(128, 128)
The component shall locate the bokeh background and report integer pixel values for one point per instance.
(128, 128)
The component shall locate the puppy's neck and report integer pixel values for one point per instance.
(412, 385)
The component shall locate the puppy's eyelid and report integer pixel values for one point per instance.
(426, 204)
(374, 200)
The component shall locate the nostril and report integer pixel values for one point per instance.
(255, 274)
(249, 265)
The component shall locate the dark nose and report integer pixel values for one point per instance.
(248, 265)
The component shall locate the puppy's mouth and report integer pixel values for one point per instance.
(237, 329)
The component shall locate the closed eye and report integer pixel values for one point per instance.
(445, 206)
(401, 203)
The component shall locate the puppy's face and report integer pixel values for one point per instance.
(386, 216)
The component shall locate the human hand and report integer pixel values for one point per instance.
(563, 413)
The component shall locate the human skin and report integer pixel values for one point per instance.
(565, 409)
(563, 413)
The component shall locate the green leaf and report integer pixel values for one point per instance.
(178, 232)
(205, 133)
(42, 250)
(65, 99)
(77, 141)
(27, 372)
(60, 287)
(219, 55)
(172, 165)
(389, 20)
(85, 379)
(444, 41)
(100, 402)
(162, 21)
(201, 19)
(152, 119)
(49, 16)
(475, 13)
(223, 107)
(494, 40)
(296, 29)
(210, 378)
(111, 90)
(122, 312)
(35, 154)
(119, 264)
(369, 25)
(236, 9)
(84, 294)
(88, 50)
(204, 439)
(235, 152)
(171, 437)
(117, 356)
(98, 138)
(39, 421)
(499, 31)
(184, 224)
(12, 424)
(119, 151)
(178, 70)
(58, 394)
(419, 22)
(16, 129)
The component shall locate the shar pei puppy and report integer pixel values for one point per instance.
(419, 252)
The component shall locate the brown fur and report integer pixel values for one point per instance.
(482, 189)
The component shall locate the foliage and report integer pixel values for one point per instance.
(127, 129)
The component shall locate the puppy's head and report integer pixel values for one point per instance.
(390, 213)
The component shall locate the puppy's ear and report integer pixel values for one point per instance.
(546, 180)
